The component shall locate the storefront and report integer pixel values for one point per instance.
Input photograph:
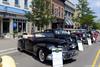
(12, 20)
(68, 23)
(58, 23)
(6, 25)
(19, 25)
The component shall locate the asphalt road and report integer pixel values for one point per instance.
(7, 44)
(90, 56)
(84, 59)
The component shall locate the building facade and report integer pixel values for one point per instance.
(63, 10)
(12, 19)
(58, 12)
(69, 12)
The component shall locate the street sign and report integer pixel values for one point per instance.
(89, 41)
(80, 46)
(57, 58)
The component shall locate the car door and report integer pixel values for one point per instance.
(28, 45)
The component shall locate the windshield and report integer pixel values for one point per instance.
(81, 31)
(60, 32)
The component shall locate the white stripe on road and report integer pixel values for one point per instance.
(8, 51)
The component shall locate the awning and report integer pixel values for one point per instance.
(12, 10)
(66, 21)
(69, 21)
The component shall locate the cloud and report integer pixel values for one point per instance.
(97, 4)
(94, 5)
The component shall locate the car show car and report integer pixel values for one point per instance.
(82, 35)
(70, 39)
(41, 45)
(94, 35)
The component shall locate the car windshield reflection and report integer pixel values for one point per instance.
(60, 32)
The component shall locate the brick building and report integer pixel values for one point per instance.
(58, 12)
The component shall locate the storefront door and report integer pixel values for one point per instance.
(6, 24)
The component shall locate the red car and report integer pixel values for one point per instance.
(95, 35)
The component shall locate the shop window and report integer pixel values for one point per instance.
(17, 3)
(59, 11)
(5, 0)
(19, 27)
(62, 12)
(26, 4)
(24, 27)
(6, 25)
(52, 8)
(15, 27)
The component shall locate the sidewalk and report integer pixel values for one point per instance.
(8, 44)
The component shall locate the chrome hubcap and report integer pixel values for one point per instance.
(41, 55)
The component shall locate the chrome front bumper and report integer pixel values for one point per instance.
(66, 55)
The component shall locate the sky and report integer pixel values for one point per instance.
(94, 5)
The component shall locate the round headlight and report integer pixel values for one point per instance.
(89, 35)
(73, 46)
(51, 47)
(83, 35)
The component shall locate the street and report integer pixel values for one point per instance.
(84, 59)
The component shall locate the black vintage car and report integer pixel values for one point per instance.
(63, 34)
(41, 44)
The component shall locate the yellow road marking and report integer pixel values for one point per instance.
(96, 58)
(99, 65)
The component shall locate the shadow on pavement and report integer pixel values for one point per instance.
(69, 61)
(49, 63)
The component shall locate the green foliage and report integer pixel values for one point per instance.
(85, 13)
(87, 19)
(96, 26)
(41, 13)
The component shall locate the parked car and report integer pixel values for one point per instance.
(94, 35)
(82, 35)
(41, 45)
(62, 34)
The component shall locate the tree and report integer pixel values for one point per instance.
(40, 15)
(85, 13)
(96, 25)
